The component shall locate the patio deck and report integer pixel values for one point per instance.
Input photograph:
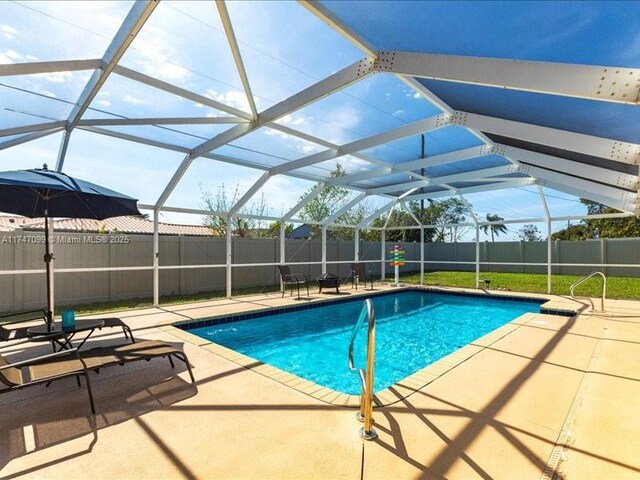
(500, 413)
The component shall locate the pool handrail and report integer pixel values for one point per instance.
(584, 279)
(365, 414)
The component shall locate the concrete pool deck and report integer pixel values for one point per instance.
(546, 392)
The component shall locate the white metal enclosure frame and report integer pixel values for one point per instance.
(525, 166)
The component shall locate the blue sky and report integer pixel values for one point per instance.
(285, 49)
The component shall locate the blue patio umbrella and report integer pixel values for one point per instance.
(45, 193)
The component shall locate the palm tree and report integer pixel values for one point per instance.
(496, 228)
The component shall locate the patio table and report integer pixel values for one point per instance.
(63, 336)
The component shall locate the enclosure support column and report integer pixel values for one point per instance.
(356, 245)
(477, 255)
(549, 254)
(229, 255)
(549, 257)
(156, 259)
(421, 255)
(324, 249)
(383, 235)
(282, 249)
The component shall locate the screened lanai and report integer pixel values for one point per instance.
(461, 100)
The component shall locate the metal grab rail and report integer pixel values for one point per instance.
(366, 377)
(584, 279)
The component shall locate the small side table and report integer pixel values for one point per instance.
(63, 336)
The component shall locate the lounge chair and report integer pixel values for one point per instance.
(114, 322)
(292, 279)
(68, 363)
(358, 273)
(8, 330)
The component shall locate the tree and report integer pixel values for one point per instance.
(327, 203)
(449, 211)
(222, 202)
(529, 233)
(600, 228)
(496, 228)
(273, 231)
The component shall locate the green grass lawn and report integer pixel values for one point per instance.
(617, 287)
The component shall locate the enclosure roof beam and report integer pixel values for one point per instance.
(404, 206)
(249, 193)
(616, 194)
(304, 201)
(335, 23)
(425, 125)
(345, 208)
(576, 142)
(474, 175)
(405, 167)
(181, 149)
(31, 128)
(132, 24)
(469, 208)
(319, 141)
(181, 92)
(328, 85)
(34, 68)
(578, 169)
(198, 211)
(161, 121)
(27, 138)
(366, 221)
(604, 83)
(233, 44)
(582, 189)
(331, 84)
(518, 182)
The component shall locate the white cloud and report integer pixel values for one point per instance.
(232, 98)
(4, 59)
(12, 54)
(104, 103)
(398, 112)
(133, 100)
(8, 31)
(345, 116)
(56, 77)
(308, 148)
(32, 58)
(47, 93)
(154, 48)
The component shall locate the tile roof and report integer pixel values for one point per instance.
(131, 225)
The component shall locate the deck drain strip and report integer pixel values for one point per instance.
(560, 446)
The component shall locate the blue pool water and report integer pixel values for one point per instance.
(413, 330)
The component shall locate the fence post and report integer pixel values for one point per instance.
(229, 255)
(421, 255)
(603, 254)
(18, 280)
(156, 259)
(549, 257)
(324, 249)
(477, 255)
(383, 236)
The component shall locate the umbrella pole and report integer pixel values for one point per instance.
(47, 261)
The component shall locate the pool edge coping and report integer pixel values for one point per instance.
(390, 395)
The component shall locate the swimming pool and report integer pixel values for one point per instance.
(414, 328)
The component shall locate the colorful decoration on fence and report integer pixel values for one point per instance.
(396, 256)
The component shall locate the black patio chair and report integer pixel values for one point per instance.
(292, 279)
(9, 324)
(359, 273)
